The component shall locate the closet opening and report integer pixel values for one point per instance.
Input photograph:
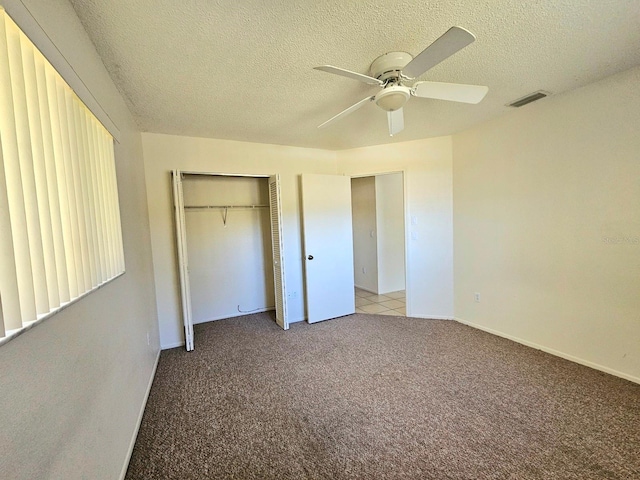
(228, 236)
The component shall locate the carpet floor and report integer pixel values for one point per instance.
(380, 397)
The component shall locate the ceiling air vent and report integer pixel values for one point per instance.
(532, 97)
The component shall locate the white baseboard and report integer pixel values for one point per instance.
(181, 343)
(139, 422)
(377, 293)
(366, 289)
(431, 317)
(172, 345)
(235, 314)
(552, 351)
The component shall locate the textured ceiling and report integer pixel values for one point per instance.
(243, 69)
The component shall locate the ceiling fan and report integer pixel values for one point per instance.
(395, 70)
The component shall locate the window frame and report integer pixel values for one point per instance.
(32, 98)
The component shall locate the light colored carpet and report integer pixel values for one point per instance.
(380, 397)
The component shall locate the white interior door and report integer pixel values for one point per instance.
(328, 246)
(282, 318)
(183, 258)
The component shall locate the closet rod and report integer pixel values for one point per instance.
(226, 206)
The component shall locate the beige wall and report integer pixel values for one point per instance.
(547, 224)
(427, 166)
(162, 153)
(72, 388)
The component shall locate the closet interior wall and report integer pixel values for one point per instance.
(229, 245)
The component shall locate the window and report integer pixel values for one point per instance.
(60, 235)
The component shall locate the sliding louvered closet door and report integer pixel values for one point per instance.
(278, 252)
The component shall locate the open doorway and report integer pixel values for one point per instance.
(379, 244)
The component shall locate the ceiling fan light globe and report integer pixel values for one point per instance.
(392, 98)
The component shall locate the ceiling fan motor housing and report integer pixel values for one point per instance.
(389, 65)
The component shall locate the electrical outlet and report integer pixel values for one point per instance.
(364, 270)
(148, 339)
(476, 297)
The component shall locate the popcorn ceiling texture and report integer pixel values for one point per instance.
(242, 70)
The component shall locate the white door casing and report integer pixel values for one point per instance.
(328, 246)
(183, 258)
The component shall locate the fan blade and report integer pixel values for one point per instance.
(346, 112)
(349, 74)
(454, 39)
(396, 121)
(456, 92)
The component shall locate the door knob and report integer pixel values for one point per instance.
(310, 257)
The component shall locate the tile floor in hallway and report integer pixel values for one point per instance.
(388, 304)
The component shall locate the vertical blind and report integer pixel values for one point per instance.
(60, 234)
